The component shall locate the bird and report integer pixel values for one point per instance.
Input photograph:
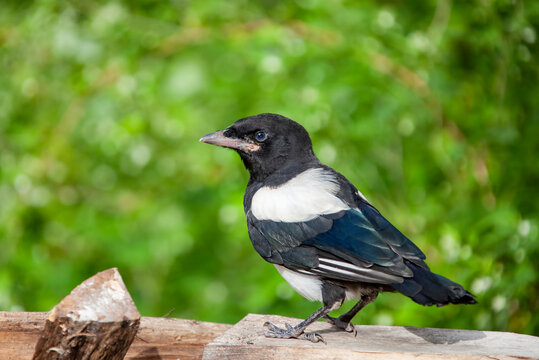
(320, 232)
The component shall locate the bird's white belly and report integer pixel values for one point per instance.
(310, 287)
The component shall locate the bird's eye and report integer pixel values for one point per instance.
(261, 136)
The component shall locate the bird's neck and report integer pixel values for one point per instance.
(282, 174)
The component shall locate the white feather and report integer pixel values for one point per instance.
(338, 270)
(360, 194)
(340, 263)
(310, 287)
(360, 273)
(304, 197)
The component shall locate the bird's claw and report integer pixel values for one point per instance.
(273, 329)
(354, 329)
(313, 337)
(341, 324)
(291, 332)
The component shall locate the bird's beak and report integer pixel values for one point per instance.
(218, 138)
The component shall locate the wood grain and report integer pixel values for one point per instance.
(157, 338)
(245, 340)
(168, 338)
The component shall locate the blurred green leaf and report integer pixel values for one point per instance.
(430, 109)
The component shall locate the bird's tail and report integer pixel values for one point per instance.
(428, 288)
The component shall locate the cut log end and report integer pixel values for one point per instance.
(103, 297)
(97, 320)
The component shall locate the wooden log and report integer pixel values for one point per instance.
(19, 332)
(157, 338)
(97, 320)
(173, 339)
(245, 341)
(167, 339)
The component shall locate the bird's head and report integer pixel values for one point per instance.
(266, 143)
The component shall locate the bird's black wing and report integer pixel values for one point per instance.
(358, 244)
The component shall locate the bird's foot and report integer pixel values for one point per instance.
(291, 332)
(341, 324)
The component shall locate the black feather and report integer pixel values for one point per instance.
(428, 288)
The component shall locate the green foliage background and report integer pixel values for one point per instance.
(429, 107)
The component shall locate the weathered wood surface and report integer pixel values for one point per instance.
(97, 320)
(245, 340)
(157, 338)
(19, 332)
(164, 338)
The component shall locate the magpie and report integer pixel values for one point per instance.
(321, 233)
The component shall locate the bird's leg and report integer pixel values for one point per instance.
(298, 331)
(343, 321)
